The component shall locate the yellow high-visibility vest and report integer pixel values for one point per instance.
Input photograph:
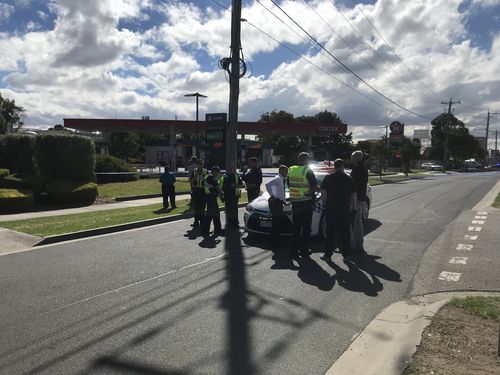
(299, 187)
(237, 190)
(199, 178)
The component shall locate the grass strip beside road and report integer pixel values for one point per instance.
(143, 186)
(496, 203)
(373, 181)
(61, 224)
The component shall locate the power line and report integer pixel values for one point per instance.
(395, 54)
(347, 68)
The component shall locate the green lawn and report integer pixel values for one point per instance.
(53, 225)
(145, 186)
(485, 307)
(373, 181)
(496, 203)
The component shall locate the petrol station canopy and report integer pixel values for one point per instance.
(189, 127)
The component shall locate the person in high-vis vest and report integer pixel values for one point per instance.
(197, 180)
(302, 185)
(231, 184)
(212, 191)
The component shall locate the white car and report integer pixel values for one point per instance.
(432, 166)
(257, 216)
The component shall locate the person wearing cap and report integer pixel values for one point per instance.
(212, 191)
(339, 192)
(359, 174)
(302, 184)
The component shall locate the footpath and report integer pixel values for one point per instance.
(463, 261)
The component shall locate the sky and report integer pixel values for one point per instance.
(371, 62)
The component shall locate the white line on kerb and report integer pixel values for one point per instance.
(458, 260)
(480, 217)
(474, 229)
(449, 276)
(464, 247)
(480, 222)
(482, 213)
(472, 238)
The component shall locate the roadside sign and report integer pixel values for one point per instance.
(215, 135)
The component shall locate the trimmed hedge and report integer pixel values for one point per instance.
(31, 182)
(15, 200)
(17, 153)
(62, 156)
(72, 192)
(3, 173)
(111, 169)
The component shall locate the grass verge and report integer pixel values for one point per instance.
(54, 225)
(496, 203)
(485, 307)
(391, 179)
(143, 186)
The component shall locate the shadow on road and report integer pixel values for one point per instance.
(371, 225)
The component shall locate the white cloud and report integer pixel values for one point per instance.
(6, 11)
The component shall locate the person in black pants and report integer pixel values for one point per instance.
(197, 179)
(167, 180)
(231, 184)
(253, 179)
(212, 191)
(339, 191)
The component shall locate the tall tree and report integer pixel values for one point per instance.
(409, 151)
(124, 145)
(289, 147)
(11, 115)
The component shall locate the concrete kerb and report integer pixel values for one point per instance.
(137, 197)
(387, 344)
(116, 228)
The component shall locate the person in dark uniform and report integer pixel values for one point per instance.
(253, 179)
(212, 191)
(231, 184)
(197, 180)
(359, 174)
(302, 185)
(339, 191)
(167, 180)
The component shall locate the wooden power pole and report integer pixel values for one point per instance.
(446, 132)
(234, 85)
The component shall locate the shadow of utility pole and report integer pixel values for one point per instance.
(235, 301)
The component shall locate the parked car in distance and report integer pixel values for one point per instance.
(471, 165)
(493, 167)
(432, 166)
(257, 216)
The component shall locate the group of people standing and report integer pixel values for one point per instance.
(344, 197)
(207, 186)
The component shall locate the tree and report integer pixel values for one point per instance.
(11, 115)
(380, 152)
(289, 148)
(461, 144)
(276, 116)
(409, 151)
(338, 145)
(124, 145)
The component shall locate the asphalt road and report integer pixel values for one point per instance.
(160, 300)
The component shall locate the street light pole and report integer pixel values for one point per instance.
(197, 95)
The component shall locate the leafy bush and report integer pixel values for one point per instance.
(63, 156)
(3, 173)
(31, 182)
(108, 163)
(17, 153)
(72, 192)
(14, 200)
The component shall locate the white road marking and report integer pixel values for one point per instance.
(464, 247)
(449, 276)
(472, 238)
(458, 260)
(474, 229)
(480, 222)
(482, 213)
(480, 217)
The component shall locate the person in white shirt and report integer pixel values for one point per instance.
(277, 200)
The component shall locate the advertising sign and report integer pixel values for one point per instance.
(396, 135)
(215, 135)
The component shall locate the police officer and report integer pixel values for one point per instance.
(212, 191)
(253, 179)
(302, 185)
(231, 184)
(197, 179)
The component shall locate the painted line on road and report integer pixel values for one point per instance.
(464, 247)
(474, 229)
(480, 222)
(206, 260)
(472, 238)
(449, 276)
(458, 260)
(482, 213)
(480, 217)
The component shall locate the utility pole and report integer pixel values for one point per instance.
(197, 95)
(234, 85)
(446, 131)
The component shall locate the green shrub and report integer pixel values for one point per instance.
(17, 153)
(72, 192)
(15, 200)
(3, 173)
(108, 163)
(31, 182)
(62, 156)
